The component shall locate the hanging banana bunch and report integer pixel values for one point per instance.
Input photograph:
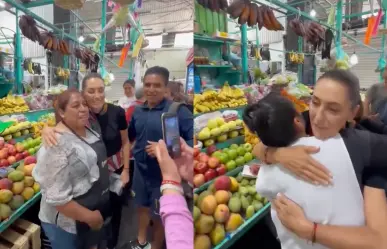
(296, 58)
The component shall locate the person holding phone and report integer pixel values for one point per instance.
(145, 128)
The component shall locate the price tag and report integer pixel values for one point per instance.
(223, 34)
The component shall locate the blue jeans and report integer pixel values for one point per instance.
(59, 238)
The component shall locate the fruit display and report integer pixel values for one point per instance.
(252, 14)
(12, 152)
(250, 137)
(214, 5)
(223, 208)
(16, 130)
(296, 58)
(32, 67)
(312, 32)
(48, 118)
(213, 163)
(17, 186)
(11, 104)
(211, 100)
(62, 73)
(218, 130)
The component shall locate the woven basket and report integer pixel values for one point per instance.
(70, 4)
(124, 2)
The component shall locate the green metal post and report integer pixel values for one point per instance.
(18, 57)
(382, 55)
(300, 50)
(103, 37)
(257, 40)
(339, 22)
(245, 65)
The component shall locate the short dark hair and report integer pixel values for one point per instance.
(62, 101)
(162, 71)
(272, 119)
(88, 77)
(349, 80)
(130, 82)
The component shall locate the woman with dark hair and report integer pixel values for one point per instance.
(335, 101)
(74, 179)
(129, 90)
(110, 122)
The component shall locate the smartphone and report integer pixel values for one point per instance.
(171, 134)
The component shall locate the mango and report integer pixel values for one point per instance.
(202, 242)
(234, 222)
(5, 195)
(204, 224)
(222, 213)
(17, 187)
(234, 205)
(28, 169)
(196, 213)
(211, 188)
(222, 196)
(16, 176)
(28, 193)
(201, 196)
(29, 181)
(217, 235)
(16, 202)
(36, 187)
(208, 205)
(5, 211)
(234, 186)
(250, 211)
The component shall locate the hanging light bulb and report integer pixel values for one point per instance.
(312, 13)
(81, 38)
(354, 59)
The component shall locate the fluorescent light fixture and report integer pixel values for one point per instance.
(81, 38)
(354, 59)
(312, 13)
(2, 5)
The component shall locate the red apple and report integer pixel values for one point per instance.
(203, 157)
(196, 152)
(11, 151)
(11, 159)
(12, 141)
(4, 163)
(200, 168)
(211, 149)
(19, 148)
(222, 183)
(221, 169)
(18, 157)
(199, 180)
(213, 162)
(2, 143)
(25, 154)
(7, 145)
(29, 160)
(3, 154)
(210, 174)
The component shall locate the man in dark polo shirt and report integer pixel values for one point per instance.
(145, 127)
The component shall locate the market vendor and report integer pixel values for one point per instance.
(334, 101)
(375, 101)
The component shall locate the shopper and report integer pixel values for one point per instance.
(109, 121)
(278, 124)
(335, 100)
(73, 179)
(177, 219)
(175, 92)
(129, 90)
(140, 99)
(146, 129)
(375, 96)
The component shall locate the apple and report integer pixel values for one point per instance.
(234, 146)
(213, 162)
(12, 141)
(211, 149)
(231, 165)
(18, 157)
(25, 154)
(31, 151)
(240, 160)
(200, 168)
(248, 147)
(225, 150)
(12, 151)
(209, 142)
(3, 154)
(196, 152)
(203, 157)
(199, 180)
(221, 169)
(8, 137)
(11, 159)
(241, 151)
(210, 174)
(217, 154)
(19, 148)
(2, 144)
(248, 157)
(4, 163)
(232, 154)
(29, 160)
(223, 158)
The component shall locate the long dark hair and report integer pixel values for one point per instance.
(62, 101)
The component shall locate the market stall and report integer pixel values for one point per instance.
(226, 204)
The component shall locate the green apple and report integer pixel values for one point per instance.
(231, 165)
(209, 142)
(248, 147)
(215, 132)
(232, 154)
(224, 128)
(239, 122)
(234, 146)
(241, 151)
(240, 161)
(220, 121)
(217, 154)
(222, 138)
(225, 150)
(204, 134)
(248, 157)
(31, 151)
(212, 124)
(233, 134)
(223, 157)
(232, 125)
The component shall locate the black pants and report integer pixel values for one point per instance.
(117, 203)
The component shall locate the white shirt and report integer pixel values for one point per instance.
(125, 102)
(339, 204)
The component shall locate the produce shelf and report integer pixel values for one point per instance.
(227, 143)
(213, 66)
(19, 212)
(207, 39)
(238, 108)
(236, 235)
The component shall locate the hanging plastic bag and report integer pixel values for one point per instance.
(377, 23)
(370, 26)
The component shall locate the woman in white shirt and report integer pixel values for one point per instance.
(127, 100)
